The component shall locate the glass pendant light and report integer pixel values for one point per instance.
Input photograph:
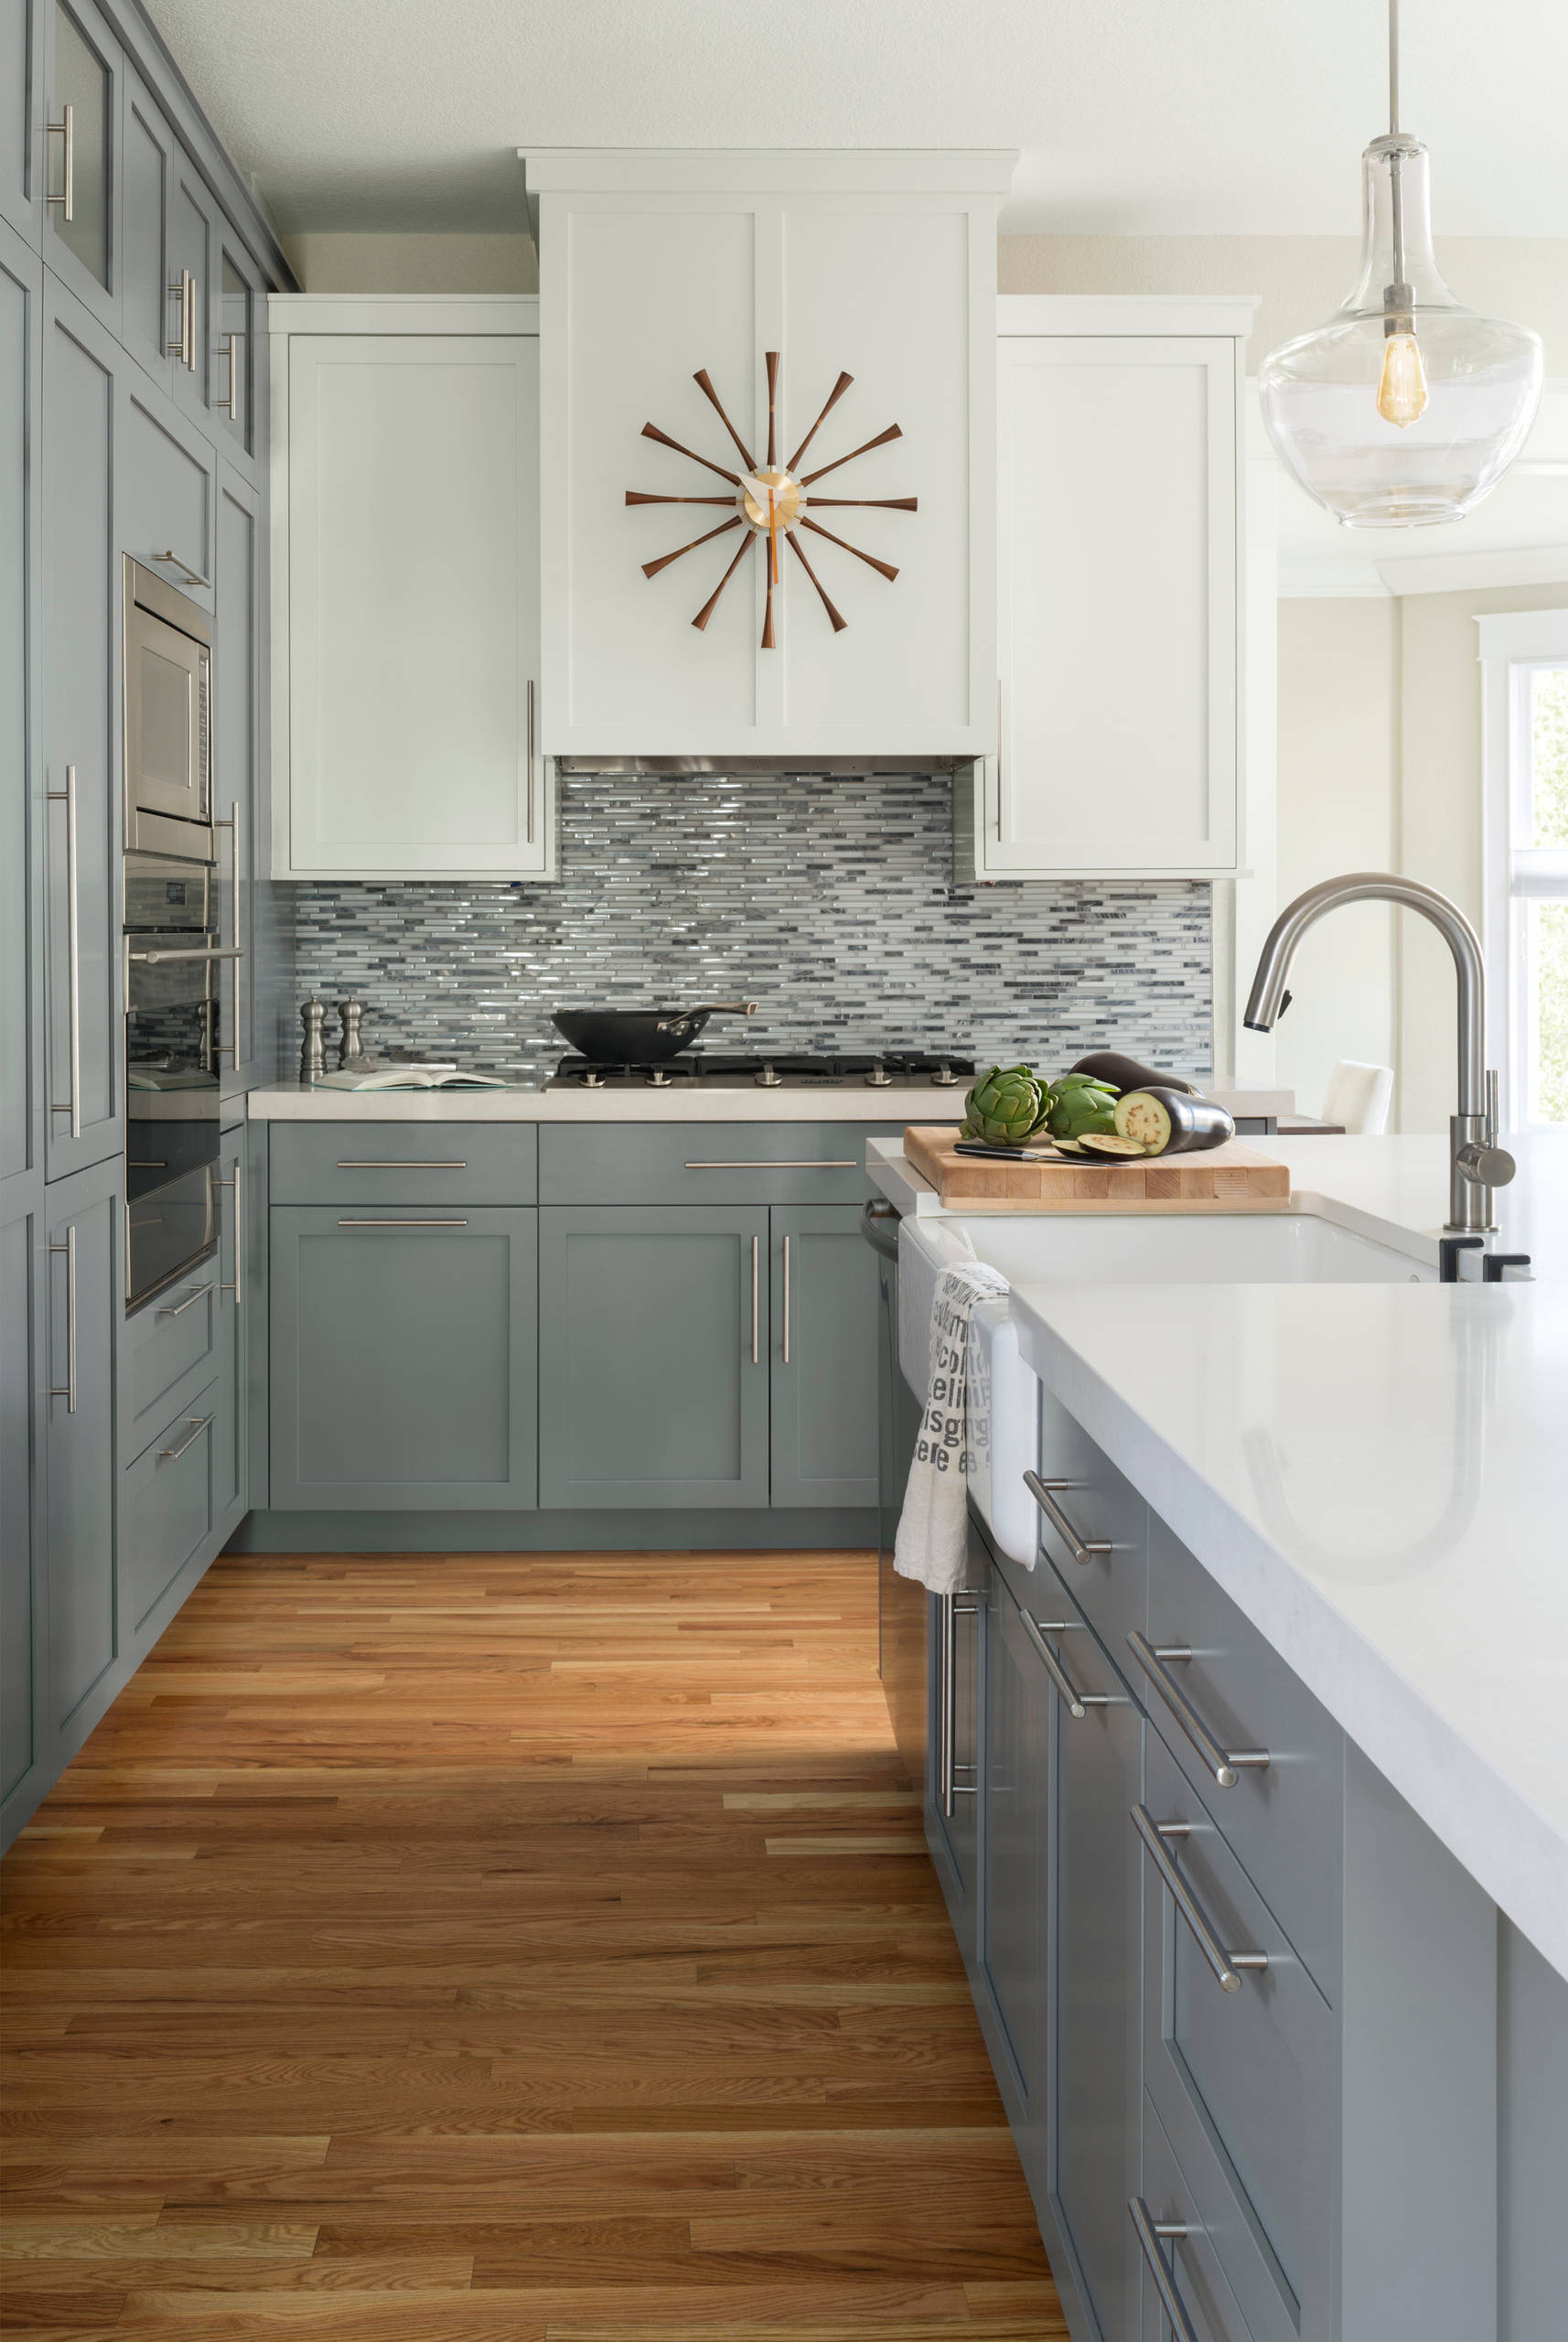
(1406, 407)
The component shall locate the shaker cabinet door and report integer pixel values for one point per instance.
(1013, 1963)
(84, 1299)
(653, 1346)
(24, 1283)
(236, 726)
(22, 810)
(229, 1402)
(79, 836)
(403, 1359)
(21, 133)
(956, 1640)
(823, 1375)
(82, 72)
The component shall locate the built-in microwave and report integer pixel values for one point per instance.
(168, 720)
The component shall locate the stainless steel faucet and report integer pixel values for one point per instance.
(1477, 1164)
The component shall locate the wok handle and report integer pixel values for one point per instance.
(709, 1008)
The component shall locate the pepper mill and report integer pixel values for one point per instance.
(351, 1046)
(313, 1057)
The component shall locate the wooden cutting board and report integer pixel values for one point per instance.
(1233, 1177)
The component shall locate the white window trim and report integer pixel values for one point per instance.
(1511, 644)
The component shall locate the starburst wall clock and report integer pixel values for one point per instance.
(769, 502)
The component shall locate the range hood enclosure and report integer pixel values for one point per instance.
(655, 264)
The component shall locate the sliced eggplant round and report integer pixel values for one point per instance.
(1126, 1074)
(1172, 1121)
(1112, 1143)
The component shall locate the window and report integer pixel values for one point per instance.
(1525, 740)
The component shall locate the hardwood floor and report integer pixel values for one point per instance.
(502, 1950)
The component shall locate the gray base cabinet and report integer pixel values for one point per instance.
(403, 1369)
(654, 1345)
(822, 1378)
(23, 1278)
(83, 1302)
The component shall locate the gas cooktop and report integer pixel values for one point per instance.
(709, 1069)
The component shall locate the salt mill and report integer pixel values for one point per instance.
(313, 1057)
(351, 1046)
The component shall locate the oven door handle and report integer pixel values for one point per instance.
(214, 952)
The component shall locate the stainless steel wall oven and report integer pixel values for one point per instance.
(172, 1106)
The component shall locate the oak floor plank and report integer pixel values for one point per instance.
(502, 1949)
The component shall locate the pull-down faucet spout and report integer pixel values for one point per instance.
(1478, 1164)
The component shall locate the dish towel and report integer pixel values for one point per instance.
(933, 1528)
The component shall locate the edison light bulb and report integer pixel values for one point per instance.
(1401, 393)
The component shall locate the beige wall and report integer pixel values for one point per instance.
(1300, 278)
(1338, 809)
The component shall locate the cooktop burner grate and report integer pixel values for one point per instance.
(795, 1069)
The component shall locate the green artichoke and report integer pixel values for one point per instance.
(1078, 1105)
(1006, 1107)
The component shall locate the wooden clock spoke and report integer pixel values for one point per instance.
(706, 388)
(652, 568)
(869, 503)
(885, 567)
(651, 430)
(767, 641)
(838, 388)
(838, 623)
(894, 431)
(711, 605)
(636, 496)
(770, 360)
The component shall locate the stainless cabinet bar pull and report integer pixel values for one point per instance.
(65, 130)
(786, 1301)
(387, 1162)
(238, 1184)
(756, 1284)
(1078, 1703)
(182, 288)
(192, 577)
(777, 1162)
(403, 1223)
(214, 952)
(230, 405)
(1224, 1964)
(1149, 2232)
(953, 1606)
(528, 802)
(67, 1390)
(199, 1424)
(178, 1309)
(1083, 1550)
(998, 761)
(1223, 1763)
(66, 796)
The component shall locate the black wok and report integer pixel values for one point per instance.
(640, 1036)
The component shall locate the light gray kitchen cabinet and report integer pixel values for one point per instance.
(80, 841)
(21, 133)
(403, 1366)
(1095, 1959)
(955, 1727)
(85, 1293)
(82, 69)
(1182, 2264)
(192, 259)
(405, 591)
(24, 1279)
(21, 790)
(1013, 1967)
(236, 1293)
(167, 492)
(167, 1510)
(150, 312)
(236, 726)
(237, 367)
(823, 1373)
(653, 1342)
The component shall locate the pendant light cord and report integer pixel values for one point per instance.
(1395, 190)
(1394, 68)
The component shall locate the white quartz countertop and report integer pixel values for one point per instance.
(1378, 1474)
(294, 1101)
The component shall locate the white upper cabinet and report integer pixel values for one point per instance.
(1117, 716)
(657, 267)
(405, 590)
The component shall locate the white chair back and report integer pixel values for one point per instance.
(1359, 1096)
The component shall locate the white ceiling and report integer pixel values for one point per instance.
(1135, 117)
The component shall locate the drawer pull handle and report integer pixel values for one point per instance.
(65, 130)
(156, 958)
(387, 1162)
(67, 1390)
(1083, 1550)
(66, 796)
(756, 1279)
(1224, 1964)
(949, 1609)
(781, 1163)
(1149, 2232)
(179, 1307)
(403, 1223)
(1078, 1703)
(173, 1455)
(1225, 1764)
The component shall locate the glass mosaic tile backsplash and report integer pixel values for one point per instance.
(828, 901)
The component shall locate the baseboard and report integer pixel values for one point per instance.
(642, 1532)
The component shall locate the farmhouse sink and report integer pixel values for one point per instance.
(1219, 1247)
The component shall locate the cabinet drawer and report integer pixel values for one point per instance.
(1192, 2266)
(1284, 1818)
(166, 1505)
(404, 1163)
(172, 1338)
(698, 1162)
(1106, 1560)
(1243, 2080)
